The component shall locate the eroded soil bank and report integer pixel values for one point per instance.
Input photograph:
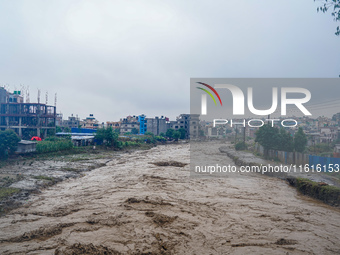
(29, 175)
(137, 204)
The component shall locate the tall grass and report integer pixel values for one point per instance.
(52, 146)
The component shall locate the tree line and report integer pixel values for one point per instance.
(273, 138)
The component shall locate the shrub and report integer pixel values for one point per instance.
(240, 146)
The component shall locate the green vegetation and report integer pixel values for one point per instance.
(8, 143)
(132, 144)
(62, 129)
(108, 137)
(70, 169)
(150, 138)
(170, 133)
(183, 133)
(300, 140)
(54, 144)
(240, 146)
(176, 135)
(286, 141)
(6, 192)
(43, 177)
(134, 131)
(321, 149)
(271, 138)
(335, 6)
(326, 193)
(268, 137)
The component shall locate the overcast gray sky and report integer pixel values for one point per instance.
(118, 58)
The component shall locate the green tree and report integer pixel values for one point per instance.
(300, 140)
(162, 134)
(107, 136)
(183, 133)
(8, 143)
(335, 6)
(268, 137)
(240, 146)
(170, 133)
(134, 131)
(201, 133)
(286, 141)
(149, 133)
(176, 135)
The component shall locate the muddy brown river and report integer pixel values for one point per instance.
(132, 206)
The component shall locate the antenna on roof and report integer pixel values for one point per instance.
(38, 96)
(55, 100)
(28, 94)
(46, 96)
(23, 90)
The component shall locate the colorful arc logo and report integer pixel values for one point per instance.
(209, 93)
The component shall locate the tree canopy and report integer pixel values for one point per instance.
(300, 140)
(334, 5)
(272, 138)
(107, 136)
(8, 142)
(268, 137)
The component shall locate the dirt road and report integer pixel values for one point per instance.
(132, 206)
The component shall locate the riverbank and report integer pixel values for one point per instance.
(317, 185)
(21, 176)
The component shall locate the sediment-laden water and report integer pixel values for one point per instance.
(146, 203)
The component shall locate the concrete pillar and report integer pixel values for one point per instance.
(20, 131)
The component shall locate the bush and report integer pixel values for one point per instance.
(8, 143)
(240, 146)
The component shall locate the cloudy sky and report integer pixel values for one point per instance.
(117, 58)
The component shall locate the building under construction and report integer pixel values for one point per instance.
(26, 119)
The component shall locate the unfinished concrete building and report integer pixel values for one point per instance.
(190, 122)
(26, 119)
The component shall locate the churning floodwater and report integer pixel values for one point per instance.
(145, 202)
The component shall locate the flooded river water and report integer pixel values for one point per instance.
(132, 206)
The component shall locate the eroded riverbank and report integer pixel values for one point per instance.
(30, 175)
(132, 206)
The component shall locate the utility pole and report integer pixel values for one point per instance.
(244, 135)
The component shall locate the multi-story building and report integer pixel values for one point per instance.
(91, 122)
(190, 122)
(59, 119)
(142, 124)
(26, 119)
(73, 122)
(129, 124)
(114, 124)
(157, 125)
